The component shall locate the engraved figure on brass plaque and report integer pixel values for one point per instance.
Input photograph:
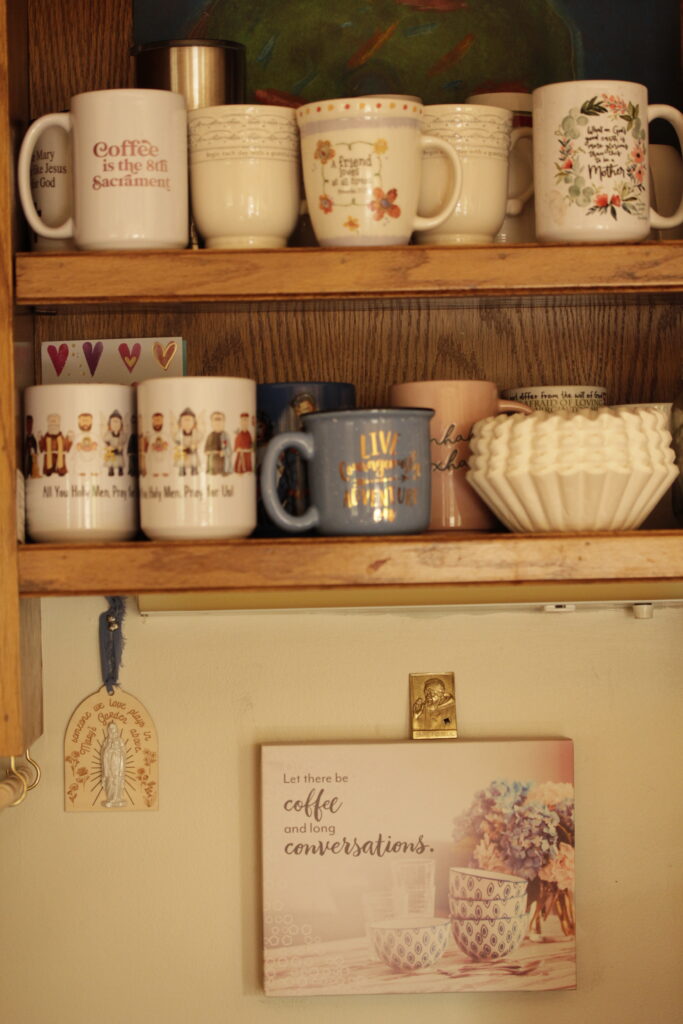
(433, 704)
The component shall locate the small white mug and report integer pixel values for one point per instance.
(80, 462)
(520, 228)
(591, 162)
(196, 457)
(483, 138)
(244, 175)
(129, 162)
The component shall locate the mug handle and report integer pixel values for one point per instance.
(516, 204)
(303, 443)
(510, 405)
(62, 120)
(675, 119)
(424, 223)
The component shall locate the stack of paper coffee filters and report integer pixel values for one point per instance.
(602, 469)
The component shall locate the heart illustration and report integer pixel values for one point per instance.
(58, 356)
(163, 355)
(130, 356)
(93, 354)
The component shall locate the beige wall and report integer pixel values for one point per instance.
(154, 918)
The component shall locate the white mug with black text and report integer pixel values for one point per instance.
(591, 162)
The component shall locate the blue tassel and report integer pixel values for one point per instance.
(111, 641)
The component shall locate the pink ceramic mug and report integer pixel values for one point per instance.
(458, 404)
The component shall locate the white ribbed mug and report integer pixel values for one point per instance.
(244, 175)
(483, 138)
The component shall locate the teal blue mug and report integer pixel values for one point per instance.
(368, 472)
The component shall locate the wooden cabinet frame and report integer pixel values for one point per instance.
(518, 314)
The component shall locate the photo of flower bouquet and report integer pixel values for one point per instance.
(525, 829)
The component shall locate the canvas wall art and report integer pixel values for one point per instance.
(439, 50)
(418, 867)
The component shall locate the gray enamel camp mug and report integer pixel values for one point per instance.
(368, 472)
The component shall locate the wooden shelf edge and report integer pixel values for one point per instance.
(442, 595)
(212, 276)
(278, 566)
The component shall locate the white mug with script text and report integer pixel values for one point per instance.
(591, 162)
(458, 405)
(129, 164)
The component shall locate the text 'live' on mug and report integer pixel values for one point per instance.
(368, 472)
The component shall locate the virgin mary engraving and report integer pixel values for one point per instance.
(114, 767)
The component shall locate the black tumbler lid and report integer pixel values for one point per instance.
(163, 44)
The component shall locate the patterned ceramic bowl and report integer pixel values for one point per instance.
(489, 938)
(475, 884)
(409, 943)
(475, 909)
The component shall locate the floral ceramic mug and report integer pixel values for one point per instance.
(361, 160)
(591, 162)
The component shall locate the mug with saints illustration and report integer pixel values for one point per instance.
(196, 457)
(80, 463)
(591, 167)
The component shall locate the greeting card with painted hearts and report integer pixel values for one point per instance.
(111, 360)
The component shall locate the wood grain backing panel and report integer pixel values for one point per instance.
(632, 347)
(409, 271)
(425, 559)
(76, 46)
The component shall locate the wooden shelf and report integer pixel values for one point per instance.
(430, 568)
(213, 276)
(398, 570)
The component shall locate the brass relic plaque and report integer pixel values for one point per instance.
(432, 705)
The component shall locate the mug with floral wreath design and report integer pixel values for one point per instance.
(361, 161)
(591, 162)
